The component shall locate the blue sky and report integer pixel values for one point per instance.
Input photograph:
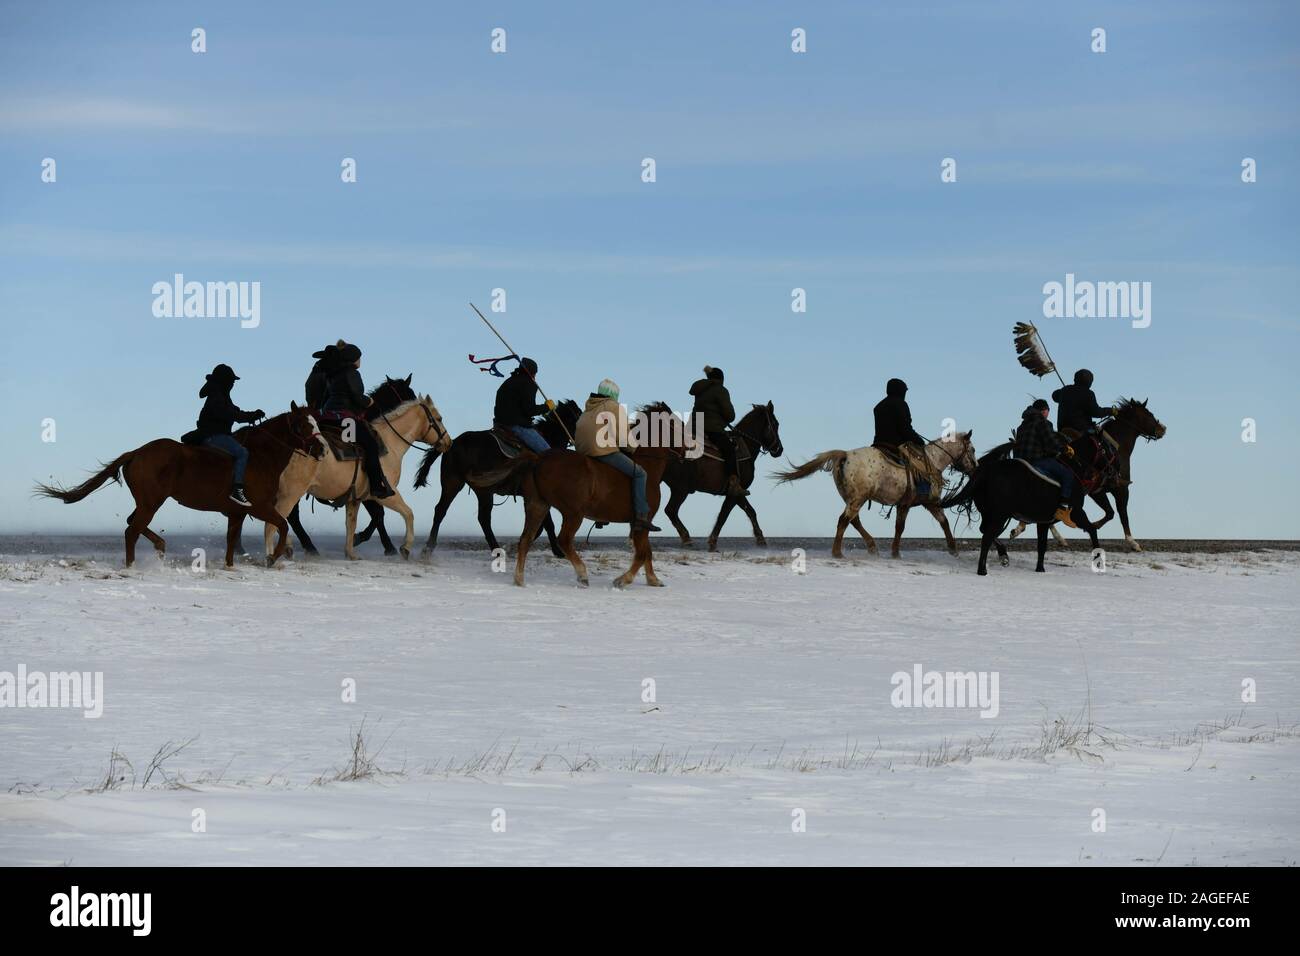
(774, 171)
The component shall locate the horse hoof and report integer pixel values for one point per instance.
(982, 572)
(713, 546)
(837, 554)
(894, 554)
(656, 583)
(1004, 561)
(761, 542)
(389, 552)
(583, 583)
(558, 554)
(270, 560)
(406, 554)
(1040, 570)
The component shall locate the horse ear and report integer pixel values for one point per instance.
(408, 378)
(968, 434)
(769, 407)
(293, 406)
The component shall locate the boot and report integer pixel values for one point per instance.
(735, 489)
(642, 523)
(238, 497)
(1063, 515)
(379, 487)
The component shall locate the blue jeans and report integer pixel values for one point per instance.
(634, 471)
(233, 448)
(1054, 469)
(531, 437)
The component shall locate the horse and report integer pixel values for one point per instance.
(415, 419)
(387, 395)
(199, 477)
(1133, 421)
(869, 475)
(1003, 488)
(581, 487)
(477, 452)
(757, 432)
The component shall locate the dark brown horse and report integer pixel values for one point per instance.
(758, 431)
(199, 477)
(1132, 421)
(477, 452)
(581, 487)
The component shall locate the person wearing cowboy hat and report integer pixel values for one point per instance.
(217, 417)
(345, 397)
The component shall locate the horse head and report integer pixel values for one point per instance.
(441, 438)
(1137, 416)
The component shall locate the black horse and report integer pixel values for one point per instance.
(758, 431)
(474, 453)
(387, 395)
(1003, 488)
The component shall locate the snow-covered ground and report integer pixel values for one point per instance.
(478, 702)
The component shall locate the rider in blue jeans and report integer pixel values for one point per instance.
(597, 435)
(1039, 444)
(215, 420)
(516, 405)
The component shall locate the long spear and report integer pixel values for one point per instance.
(526, 372)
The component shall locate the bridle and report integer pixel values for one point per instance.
(759, 442)
(952, 459)
(433, 425)
(301, 445)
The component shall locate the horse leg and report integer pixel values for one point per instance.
(651, 578)
(640, 548)
(533, 514)
(137, 523)
(746, 507)
(368, 531)
(485, 516)
(1121, 505)
(397, 503)
(1018, 530)
(1042, 544)
(282, 501)
(295, 522)
(234, 524)
(376, 511)
(990, 533)
(274, 518)
(676, 497)
(1102, 500)
(451, 486)
(1060, 538)
(349, 528)
(548, 526)
(900, 522)
(937, 513)
(727, 504)
(568, 530)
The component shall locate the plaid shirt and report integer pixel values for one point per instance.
(1035, 438)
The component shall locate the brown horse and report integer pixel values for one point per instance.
(757, 432)
(581, 487)
(199, 477)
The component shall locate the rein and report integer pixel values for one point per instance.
(758, 442)
(433, 423)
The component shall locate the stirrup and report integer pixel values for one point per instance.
(1063, 515)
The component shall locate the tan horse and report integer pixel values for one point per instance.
(866, 474)
(328, 479)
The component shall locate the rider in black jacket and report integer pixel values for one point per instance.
(218, 416)
(345, 393)
(1077, 404)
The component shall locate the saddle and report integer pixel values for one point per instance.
(510, 444)
(917, 468)
(331, 430)
(712, 451)
(1096, 458)
(1038, 474)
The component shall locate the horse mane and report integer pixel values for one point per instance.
(654, 408)
(997, 453)
(269, 420)
(568, 405)
(392, 398)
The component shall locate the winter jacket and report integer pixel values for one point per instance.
(1077, 407)
(220, 413)
(603, 420)
(344, 391)
(516, 402)
(314, 388)
(713, 401)
(1035, 438)
(894, 418)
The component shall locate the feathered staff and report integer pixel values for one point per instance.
(1031, 351)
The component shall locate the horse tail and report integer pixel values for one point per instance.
(826, 461)
(426, 465)
(112, 470)
(490, 479)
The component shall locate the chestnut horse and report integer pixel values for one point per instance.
(199, 477)
(581, 487)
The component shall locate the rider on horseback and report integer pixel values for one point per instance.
(1078, 405)
(1039, 444)
(215, 420)
(516, 405)
(596, 435)
(317, 380)
(894, 430)
(713, 401)
(345, 396)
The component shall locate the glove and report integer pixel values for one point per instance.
(1114, 410)
(1069, 452)
(550, 404)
